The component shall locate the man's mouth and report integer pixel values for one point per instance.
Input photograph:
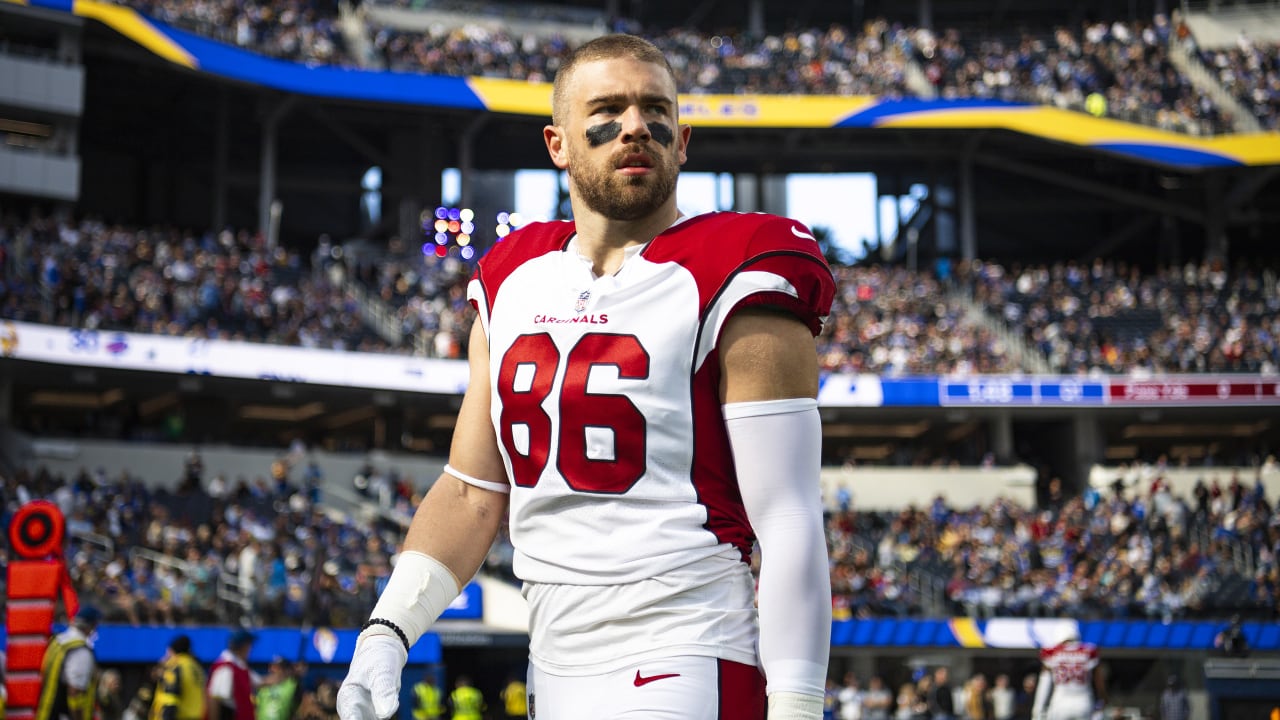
(635, 162)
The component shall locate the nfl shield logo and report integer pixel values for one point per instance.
(581, 304)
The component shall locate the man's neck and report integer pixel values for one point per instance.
(604, 241)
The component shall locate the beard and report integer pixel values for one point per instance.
(620, 197)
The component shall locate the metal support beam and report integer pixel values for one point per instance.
(967, 205)
(348, 136)
(271, 118)
(1248, 187)
(755, 18)
(1111, 192)
(466, 159)
(221, 145)
(1215, 220)
(1136, 225)
(925, 13)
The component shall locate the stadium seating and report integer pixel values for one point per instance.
(1105, 317)
(308, 535)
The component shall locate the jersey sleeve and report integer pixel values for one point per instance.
(765, 261)
(783, 267)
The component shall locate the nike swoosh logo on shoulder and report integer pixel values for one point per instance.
(796, 231)
(642, 681)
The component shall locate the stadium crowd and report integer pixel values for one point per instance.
(892, 321)
(834, 61)
(1119, 70)
(268, 550)
(1126, 552)
(1112, 317)
(224, 285)
(1251, 72)
(1113, 69)
(305, 31)
(1082, 318)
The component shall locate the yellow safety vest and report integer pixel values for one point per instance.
(53, 692)
(180, 693)
(428, 702)
(513, 696)
(468, 704)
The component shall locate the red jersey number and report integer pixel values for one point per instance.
(580, 412)
(1070, 673)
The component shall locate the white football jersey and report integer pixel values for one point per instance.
(606, 405)
(1071, 667)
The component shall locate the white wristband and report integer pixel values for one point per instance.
(504, 488)
(419, 589)
(794, 706)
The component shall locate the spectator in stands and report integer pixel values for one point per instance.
(111, 703)
(1024, 699)
(941, 696)
(909, 705)
(977, 699)
(850, 698)
(1174, 704)
(1003, 698)
(140, 705)
(877, 700)
(321, 703)
(1231, 640)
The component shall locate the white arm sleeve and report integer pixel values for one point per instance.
(1043, 688)
(777, 448)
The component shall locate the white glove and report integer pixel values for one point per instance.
(793, 706)
(371, 690)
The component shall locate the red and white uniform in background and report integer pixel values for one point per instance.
(628, 525)
(1069, 667)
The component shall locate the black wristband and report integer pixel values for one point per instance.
(379, 621)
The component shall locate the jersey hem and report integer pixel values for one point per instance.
(719, 652)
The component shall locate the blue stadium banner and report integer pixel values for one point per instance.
(469, 605)
(1016, 391)
(128, 644)
(1031, 633)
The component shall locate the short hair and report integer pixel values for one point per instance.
(240, 639)
(605, 47)
(180, 644)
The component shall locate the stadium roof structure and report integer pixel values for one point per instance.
(1081, 186)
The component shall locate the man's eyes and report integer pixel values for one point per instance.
(650, 109)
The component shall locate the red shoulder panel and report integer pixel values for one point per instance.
(528, 242)
(717, 246)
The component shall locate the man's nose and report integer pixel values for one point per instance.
(634, 127)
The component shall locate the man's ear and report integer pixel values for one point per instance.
(554, 138)
(685, 132)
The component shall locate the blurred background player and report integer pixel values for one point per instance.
(278, 696)
(180, 693)
(515, 700)
(69, 673)
(231, 682)
(427, 702)
(1071, 683)
(466, 701)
